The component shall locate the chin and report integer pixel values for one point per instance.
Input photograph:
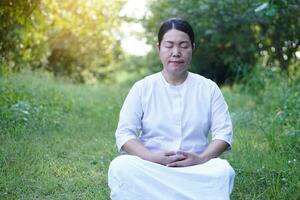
(178, 72)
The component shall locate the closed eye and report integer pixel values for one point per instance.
(184, 45)
(168, 44)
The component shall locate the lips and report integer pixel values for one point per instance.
(176, 61)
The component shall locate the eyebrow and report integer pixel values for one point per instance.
(168, 41)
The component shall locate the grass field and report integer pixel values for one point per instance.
(57, 138)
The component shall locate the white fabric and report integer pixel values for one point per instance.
(131, 178)
(174, 117)
(164, 117)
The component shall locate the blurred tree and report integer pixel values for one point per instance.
(230, 34)
(15, 18)
(75, 38)
(81, 37)
(278, 30)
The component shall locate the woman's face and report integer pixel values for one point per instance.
(175, 52)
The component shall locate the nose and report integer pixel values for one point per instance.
(176, 52)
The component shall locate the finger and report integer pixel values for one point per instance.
(175, 158)
(183, 153)
(181, 163)
(170, 153)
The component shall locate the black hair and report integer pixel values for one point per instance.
(178, 24)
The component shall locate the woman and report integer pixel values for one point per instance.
(163, 129)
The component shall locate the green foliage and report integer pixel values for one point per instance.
(57, 139)
(277, 28)
(15, 17)
(267, 85)
(81, 37)
(232, 36)
(265, 112)
(78, 38)
(133, 67)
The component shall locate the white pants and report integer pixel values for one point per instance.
(132, 178)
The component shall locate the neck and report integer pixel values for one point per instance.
(175, 79)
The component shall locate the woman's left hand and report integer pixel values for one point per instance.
(191, 159)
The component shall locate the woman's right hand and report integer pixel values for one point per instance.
(167, 157)
(135, 147)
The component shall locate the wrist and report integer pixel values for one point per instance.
(149, 156)
(202, 159)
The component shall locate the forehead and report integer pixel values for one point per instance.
(174, 35)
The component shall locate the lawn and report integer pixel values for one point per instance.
(57, 138)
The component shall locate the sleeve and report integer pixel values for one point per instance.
(130, 117)
(221, 126)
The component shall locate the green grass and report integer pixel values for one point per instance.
(57, 139)
(265, 159)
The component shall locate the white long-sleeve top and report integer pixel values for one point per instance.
(165, 117)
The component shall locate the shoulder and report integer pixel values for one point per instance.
(145, 85)
(201, 81)
(148, 81)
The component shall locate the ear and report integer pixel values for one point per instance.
(157, 47)
(194, 45)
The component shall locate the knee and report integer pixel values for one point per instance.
(228, 171)
(223, 169)
(120, 165)
(231, 172)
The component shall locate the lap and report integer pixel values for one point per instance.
(213, 167)
(139, 177)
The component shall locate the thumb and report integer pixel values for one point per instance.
(170, 153)
(182, 152)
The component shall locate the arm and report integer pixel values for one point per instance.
(214, 150)
(134, 147)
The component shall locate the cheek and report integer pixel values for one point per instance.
(164, 54)
(165, 51)
(188, 54)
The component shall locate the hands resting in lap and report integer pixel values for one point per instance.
(177, 158)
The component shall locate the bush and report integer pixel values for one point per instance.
(267, 135)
